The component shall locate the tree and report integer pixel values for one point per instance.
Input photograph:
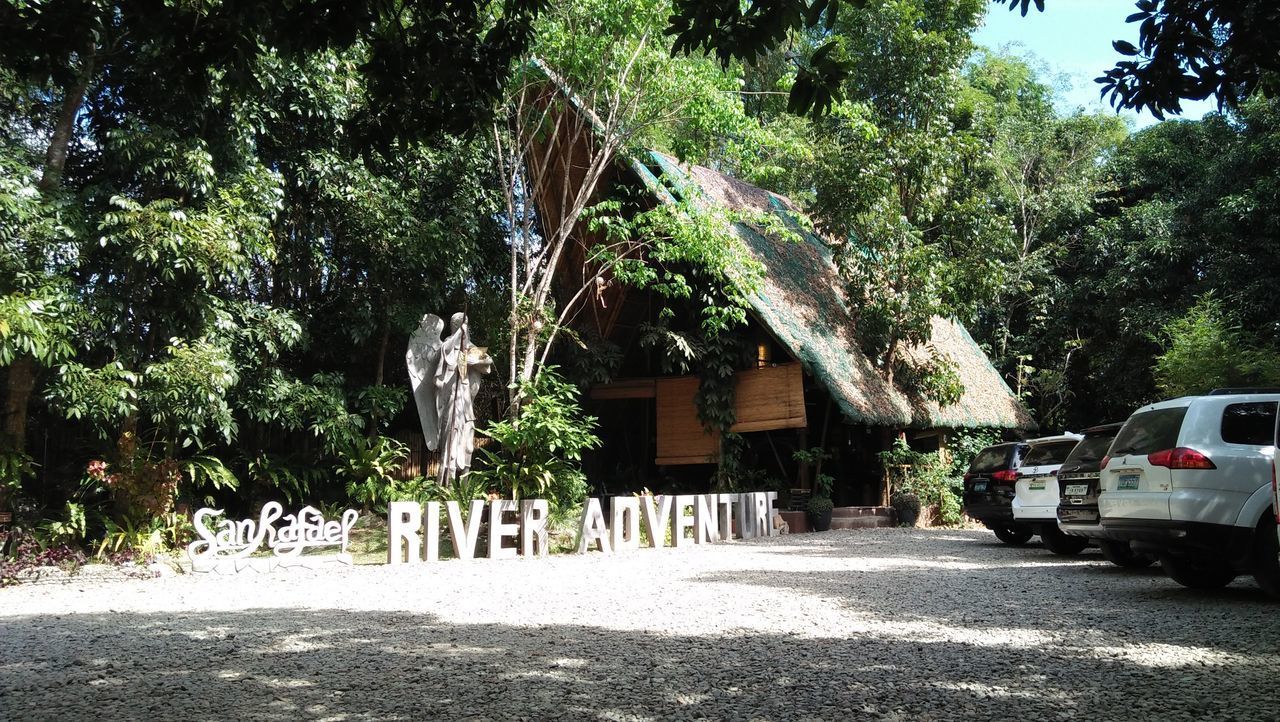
(914, 236)
(600, 87)
(1187, 49)
(1180, 216)
(182, 276)
(104, 89)
(1044, 171)
(1206, 349)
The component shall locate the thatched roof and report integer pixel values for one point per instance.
(801, 303)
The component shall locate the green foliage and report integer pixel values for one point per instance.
(678, 351)
(903, 502)
(819, 504)
(964, 444)
(1180, 211)
(691, 252)
(936, 379)
(295, 479)
(368, 470)
(1205, 349)
(822, 483)
(71, 529)
(924, 475)
(1185, 50)
(733, 473)
(897, 186)
(15, 466)
(141, 540)
(540, 449)
(38, 322)
(205, 471)
(717, 381)
(463, 490)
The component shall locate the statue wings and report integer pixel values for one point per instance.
(421, 358)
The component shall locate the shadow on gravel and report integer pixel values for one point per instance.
(273, 664)
(1084, 599)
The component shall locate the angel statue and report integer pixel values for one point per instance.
(445, 375)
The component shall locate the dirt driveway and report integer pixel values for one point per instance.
(897, 624)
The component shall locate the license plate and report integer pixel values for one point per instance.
(1077, 490)
(1036, 485)
(1128, 482)
(979, 486)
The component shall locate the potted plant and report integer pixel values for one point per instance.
(820, 504)
(907, 504)
(819, 512)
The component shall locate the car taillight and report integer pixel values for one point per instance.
(1180, 458)
(1005, 476)
(968, 475)
(1103, 464)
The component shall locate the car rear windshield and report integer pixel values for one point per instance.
(1087, 455)
(1051, 453)
(1149, 431)
(992, 458)
(1251, 423)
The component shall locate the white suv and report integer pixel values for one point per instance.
(1035, 500)
(1190, 480)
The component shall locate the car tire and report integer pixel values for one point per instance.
(1059, 543)
(1015, 535)
(1119, 554)
(1197, 573)
(1266, 556)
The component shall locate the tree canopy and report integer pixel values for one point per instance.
(1186, 49)
(220, 222)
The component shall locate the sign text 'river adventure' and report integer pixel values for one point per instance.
(520, 528)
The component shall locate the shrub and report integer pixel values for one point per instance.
(926, 476)
(541, 448)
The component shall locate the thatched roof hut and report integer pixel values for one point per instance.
(809, 372)
(801, 303)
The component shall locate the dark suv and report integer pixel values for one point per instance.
(989, 490)
(1078, 505)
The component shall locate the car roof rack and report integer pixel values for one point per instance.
(1245, 390)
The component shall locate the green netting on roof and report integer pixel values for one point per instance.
(801, 303)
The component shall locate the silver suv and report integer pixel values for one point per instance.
(1189, 480)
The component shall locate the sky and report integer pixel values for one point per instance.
(1072, 38)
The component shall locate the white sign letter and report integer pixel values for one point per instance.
(404, 519)
(499, 530)
(726, 502)
(706, 525)
(771, 500)
(432, 536)
(746, 508)
(655, 519)
(625, 524)
(593, 529)
(533, 526)
(761, 518)
(465, 536)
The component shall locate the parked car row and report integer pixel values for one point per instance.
(1189, 482)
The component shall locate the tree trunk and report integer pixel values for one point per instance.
(55, 159)
(378, 373)
(22, 379)
(382, 353)
(13, 437)
(22, 373)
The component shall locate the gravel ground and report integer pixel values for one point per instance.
(891, 624)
